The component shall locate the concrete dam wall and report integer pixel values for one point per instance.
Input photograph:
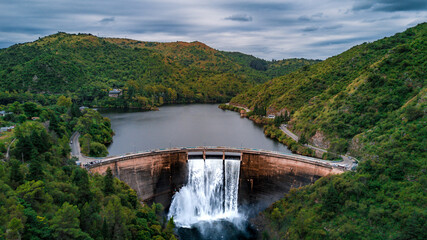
(264, 176)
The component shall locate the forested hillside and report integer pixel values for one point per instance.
(45, 195)
(148, 73)
(350, 93)
(371, 102)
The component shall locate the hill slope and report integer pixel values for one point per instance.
(370, 101)
(150, 73)
(347, 94)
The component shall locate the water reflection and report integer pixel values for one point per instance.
(185, 126)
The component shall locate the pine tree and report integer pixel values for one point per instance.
(81, 179)
(36, 170)
(16, 176)
(109, 182)
(66, 225)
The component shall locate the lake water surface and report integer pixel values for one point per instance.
(189, 125)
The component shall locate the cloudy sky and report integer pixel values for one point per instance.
(269, 29)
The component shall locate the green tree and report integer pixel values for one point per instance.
(302, 139)
(98, 150)
(31, 109)
(36, 227)
(90, 219)
(116, 219)
(36, 170)
(16, 177)
(14, 229)
(16, 108)
(75, 111)
(31, 136)
(81, 179)
(66, 225)
(109, 182)
(64, 101)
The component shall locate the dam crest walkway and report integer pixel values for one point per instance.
(89, 162)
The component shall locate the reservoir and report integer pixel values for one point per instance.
(188, 125)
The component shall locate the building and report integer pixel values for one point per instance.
(6, 129)
(115, 93)
(4, 113)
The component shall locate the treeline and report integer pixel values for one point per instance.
(44, 195)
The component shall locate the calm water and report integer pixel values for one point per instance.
(185, 126)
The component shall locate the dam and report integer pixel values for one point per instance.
(264, 176)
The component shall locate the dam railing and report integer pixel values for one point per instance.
(206, 150)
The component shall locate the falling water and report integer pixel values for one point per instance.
(210, 194)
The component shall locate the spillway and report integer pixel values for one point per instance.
(211, 193)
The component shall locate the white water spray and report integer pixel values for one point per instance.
(210, 194)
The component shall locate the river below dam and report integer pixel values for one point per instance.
(187, 125)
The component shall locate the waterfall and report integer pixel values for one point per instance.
(210, 193)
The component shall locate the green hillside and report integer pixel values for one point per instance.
(45, 195)
(149, 73)
(369, 101)
(347, 94)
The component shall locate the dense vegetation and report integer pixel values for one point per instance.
(95, 133)
(348, 94)
(369, 101)
(44, 195)
(149, 74)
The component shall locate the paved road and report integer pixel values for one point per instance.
(347, 161)
(289, 133)
(8, 149)
(75, 149)
(246, 109)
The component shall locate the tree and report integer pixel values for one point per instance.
(90, 219)
(75, 111)
(81, 179)
(16, 108)
(16, 177)
(31, 135)
(14, 229)
(64, 101)
(31, 109)
(302, 139)
(36, 170)
(66, 225)
(36, 227)
(115, 217)
(98, 150)
(109, 182)
(278, 120)
(261, 111)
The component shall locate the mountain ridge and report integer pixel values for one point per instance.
(151, 73)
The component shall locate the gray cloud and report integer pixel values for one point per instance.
(310, 29)
(107, 20)
(276, 28)
(334, 42)
(239, 18)
(390, 5)
(304, 19)
(333, 27)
